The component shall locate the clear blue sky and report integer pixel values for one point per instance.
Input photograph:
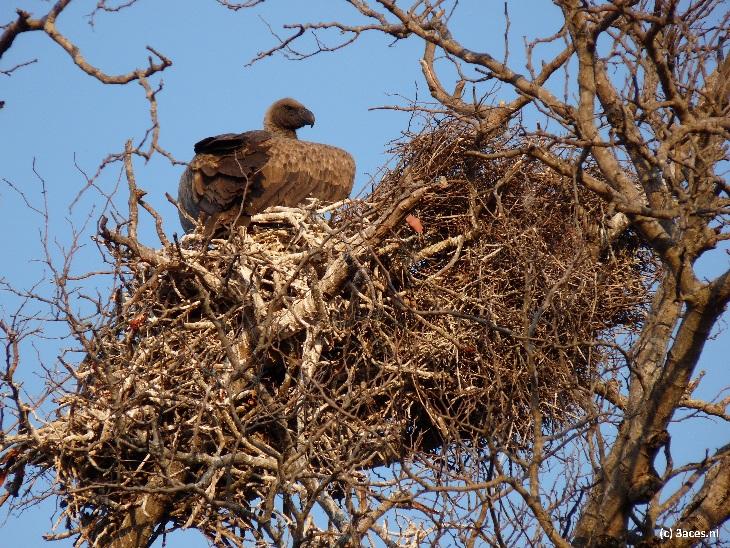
(55, 113)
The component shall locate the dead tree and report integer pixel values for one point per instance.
(416, 365)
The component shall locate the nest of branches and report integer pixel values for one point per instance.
(463, 299)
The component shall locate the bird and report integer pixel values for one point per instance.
(236, 175)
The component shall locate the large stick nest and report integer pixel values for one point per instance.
(317, 343)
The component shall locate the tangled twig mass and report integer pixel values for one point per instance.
(288, 358)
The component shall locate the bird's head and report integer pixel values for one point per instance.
(286, 116)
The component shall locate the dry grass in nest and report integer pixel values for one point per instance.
(205, 375)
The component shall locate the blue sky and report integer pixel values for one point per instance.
(57, 116)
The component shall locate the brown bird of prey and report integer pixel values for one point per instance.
(236, 175)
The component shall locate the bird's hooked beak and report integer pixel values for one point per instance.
(308, 118)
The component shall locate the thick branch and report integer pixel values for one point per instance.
(47, 24)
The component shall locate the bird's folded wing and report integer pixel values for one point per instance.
(223, 177)
(227, 142)
(297, 170)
